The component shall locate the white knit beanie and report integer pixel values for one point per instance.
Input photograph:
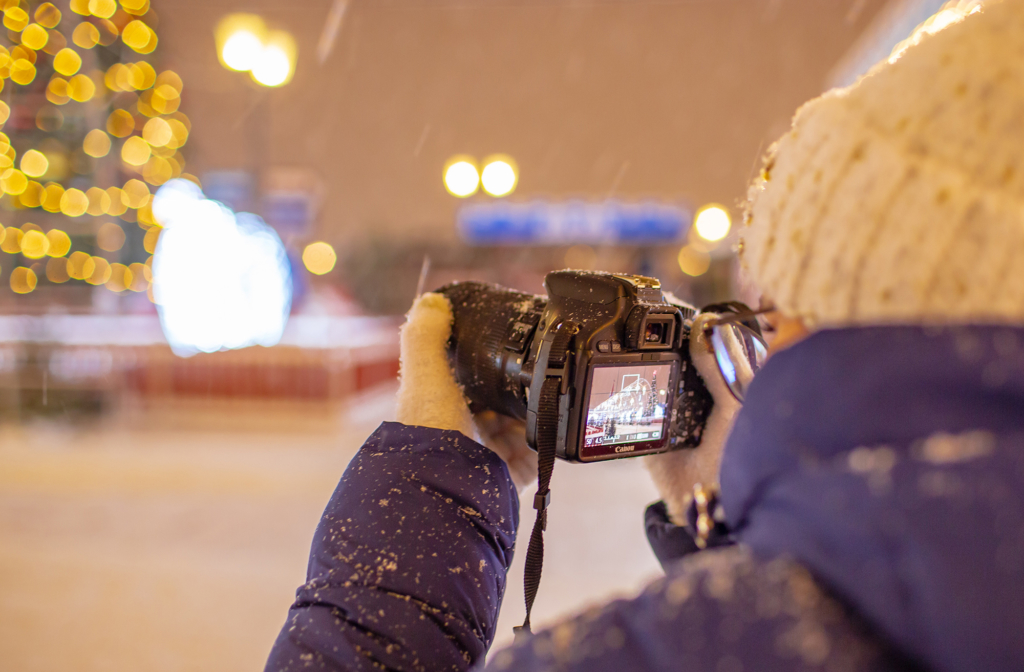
(901, 198)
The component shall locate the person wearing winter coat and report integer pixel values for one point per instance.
(872, 485)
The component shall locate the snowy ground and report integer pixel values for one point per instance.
(180, 549)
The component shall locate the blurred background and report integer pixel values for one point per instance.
(214, 214)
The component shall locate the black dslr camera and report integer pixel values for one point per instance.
(600, 367)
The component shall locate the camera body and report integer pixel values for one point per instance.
(600, 367)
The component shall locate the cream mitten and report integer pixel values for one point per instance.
(677, 472)
(429, 396)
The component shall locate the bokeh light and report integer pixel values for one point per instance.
(85, 35)
(74, 203)
(135, 151)
(35, 245)
(712, 222)
(11, 244)
(100, 273)
(96, 143)
(694, 261)
(461, 177)
(48, 15)
(67, 62)
(57, 270)
(275, 63)
(499, 176)
(110, 237)
(80, 265)
(60, 243)
(34, 163)
(242, 296)
(319, 258)
(23, 280)
(240, 40)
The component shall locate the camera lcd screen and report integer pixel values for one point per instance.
(627, 404)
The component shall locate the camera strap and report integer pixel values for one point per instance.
(547, 441)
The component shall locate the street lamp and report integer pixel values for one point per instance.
(244, 44)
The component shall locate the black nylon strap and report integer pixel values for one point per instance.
(547, 434)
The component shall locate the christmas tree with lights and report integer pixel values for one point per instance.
(90, 128)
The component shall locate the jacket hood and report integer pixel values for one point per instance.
(890, 462)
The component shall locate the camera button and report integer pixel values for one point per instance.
(616, 346)
(604, 346)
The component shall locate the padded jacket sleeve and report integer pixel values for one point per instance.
(407, 568)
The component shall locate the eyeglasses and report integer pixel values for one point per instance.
(735, 339)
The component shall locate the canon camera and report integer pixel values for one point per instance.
(600, 367)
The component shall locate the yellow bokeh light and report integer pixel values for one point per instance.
(151, 239)
(67, 62)
(499, 176)
(48, 15)
(80, 265)
(60, 243)
(110, 237)
(35, 244)
(142, 75)
(693, 261)
(15, 18)
(137, 7)
(136, 35)
(135, 194)
(99, 201)
(13, 181)
(57, 91)
(120, 123)
(461, 177)
(35, 37)
(31, 197)
(34, 163)
(11, 243)
(81, 88)
(102, 8)
(240, 39)
(100, 273)
(319, 258)
(157, 132)
(23, 280)
(96, 143)
(712, 222)
(120, 278)
(25, 53)
(51, 197)
(74, 203)
(5, 112)
(171, 79)
(22, 72)
(140, 277)
(86, 35)
(275, 64)
(135, 151)
(157, 171)
(57, 270)
(117, 205)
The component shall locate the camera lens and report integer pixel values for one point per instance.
(489, 343)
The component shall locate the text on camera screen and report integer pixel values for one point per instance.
(627, 404)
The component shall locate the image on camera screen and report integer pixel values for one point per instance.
(627, 404)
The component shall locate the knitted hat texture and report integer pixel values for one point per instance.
(901, 197)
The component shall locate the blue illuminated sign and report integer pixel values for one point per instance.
(570, 222)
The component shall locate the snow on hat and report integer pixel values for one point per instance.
(901, 197)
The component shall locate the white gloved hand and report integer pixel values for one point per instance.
(677, 472)
(429, 396)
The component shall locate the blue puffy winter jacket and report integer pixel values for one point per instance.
(874, 480)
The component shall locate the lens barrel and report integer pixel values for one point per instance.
(489, 345)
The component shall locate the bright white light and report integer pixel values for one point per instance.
(712, 223)
(220, 280)
(242, 50)
(272, 66)
(499, 178)
(461, 179)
